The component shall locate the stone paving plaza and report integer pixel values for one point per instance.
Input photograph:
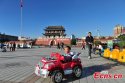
(18, 67)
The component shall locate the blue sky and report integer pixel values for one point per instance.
(77, 16)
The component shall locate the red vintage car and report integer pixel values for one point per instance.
(57, 66)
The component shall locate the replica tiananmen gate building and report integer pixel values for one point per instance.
(53, 35)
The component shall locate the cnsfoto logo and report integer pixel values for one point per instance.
(106, 75)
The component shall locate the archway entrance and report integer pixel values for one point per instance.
(52, 42)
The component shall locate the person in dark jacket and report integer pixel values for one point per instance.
(14, 46)
(58, 45)
(62, 45)
(2, 45)
(89, 42)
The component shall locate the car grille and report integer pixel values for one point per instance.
(40, 64)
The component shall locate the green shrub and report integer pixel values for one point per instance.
(121, 44)
(97, 42)
(73, 42)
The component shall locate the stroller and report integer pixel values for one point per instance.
(4, 49)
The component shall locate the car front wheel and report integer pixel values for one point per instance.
(57, 76)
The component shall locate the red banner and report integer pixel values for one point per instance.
(21, 3)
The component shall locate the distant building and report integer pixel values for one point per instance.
(73, 36)
(4, 37)
(119, 30)
(53, 35)
(24, 38)
(104, 39)
(54, 32)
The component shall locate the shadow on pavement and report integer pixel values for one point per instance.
(88, 71)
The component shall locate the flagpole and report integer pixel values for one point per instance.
(21, 20)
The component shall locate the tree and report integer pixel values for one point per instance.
(121, 44)
(122, 40)
(73, 42)
(97, 42)
(122, 37)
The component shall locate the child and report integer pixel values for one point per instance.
(68, 56)
(67, 50)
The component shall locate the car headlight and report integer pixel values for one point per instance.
(48, 65)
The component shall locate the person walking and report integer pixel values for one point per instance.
(83, 45)
(10, 46)
(51, 43)
(2, 45)
(100, 48)
(14, 46)
(58, 45)
(62, 46)
(89, 42)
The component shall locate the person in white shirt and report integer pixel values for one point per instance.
(100, 49)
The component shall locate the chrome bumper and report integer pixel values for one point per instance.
(41, 72)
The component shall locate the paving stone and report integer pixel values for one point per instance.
(18, 67)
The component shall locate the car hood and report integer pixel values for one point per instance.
(44, 60)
